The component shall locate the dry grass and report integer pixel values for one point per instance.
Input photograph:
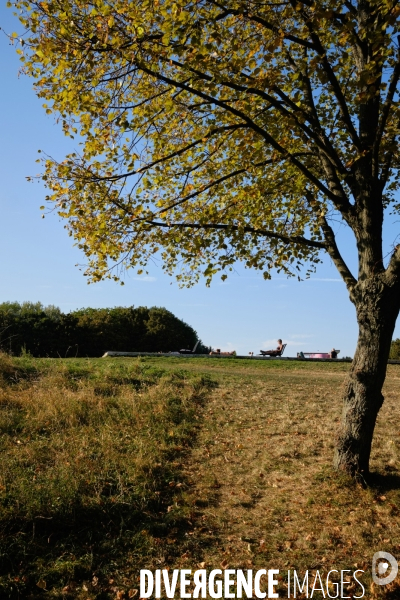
(264, 495)
(253, 488)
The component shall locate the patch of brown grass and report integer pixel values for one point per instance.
(264, 494)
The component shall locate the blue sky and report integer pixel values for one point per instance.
(245, 313)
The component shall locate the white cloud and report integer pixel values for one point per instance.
(324, 279)
(146, 279)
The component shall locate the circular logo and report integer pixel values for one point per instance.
(379, 570)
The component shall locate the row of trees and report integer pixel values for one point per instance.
(46, 331)
(395, 349)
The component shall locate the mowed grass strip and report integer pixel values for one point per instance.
(90, 456)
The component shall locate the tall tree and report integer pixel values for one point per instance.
(224, 130)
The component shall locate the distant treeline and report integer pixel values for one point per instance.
(395, 350)
(46, 331)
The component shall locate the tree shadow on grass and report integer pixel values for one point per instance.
(384, 482)
(69, 535)
(99, 549)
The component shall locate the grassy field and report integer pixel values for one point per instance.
(113, 465)
(90, 453)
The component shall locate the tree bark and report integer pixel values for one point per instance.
(377, 307)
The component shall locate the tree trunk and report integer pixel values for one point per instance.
(377, 306)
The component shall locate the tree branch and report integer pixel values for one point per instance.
(211, 185)
(387, 105)
(385, 171)
(393, 268)
(331, 78)
(317, 138)
(261, 232)
(333, 251)
(257, 19)
(173, 154)
(264, 134)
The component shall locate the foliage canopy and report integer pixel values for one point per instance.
(215, 131)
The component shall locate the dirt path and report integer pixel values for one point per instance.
(255, 436)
